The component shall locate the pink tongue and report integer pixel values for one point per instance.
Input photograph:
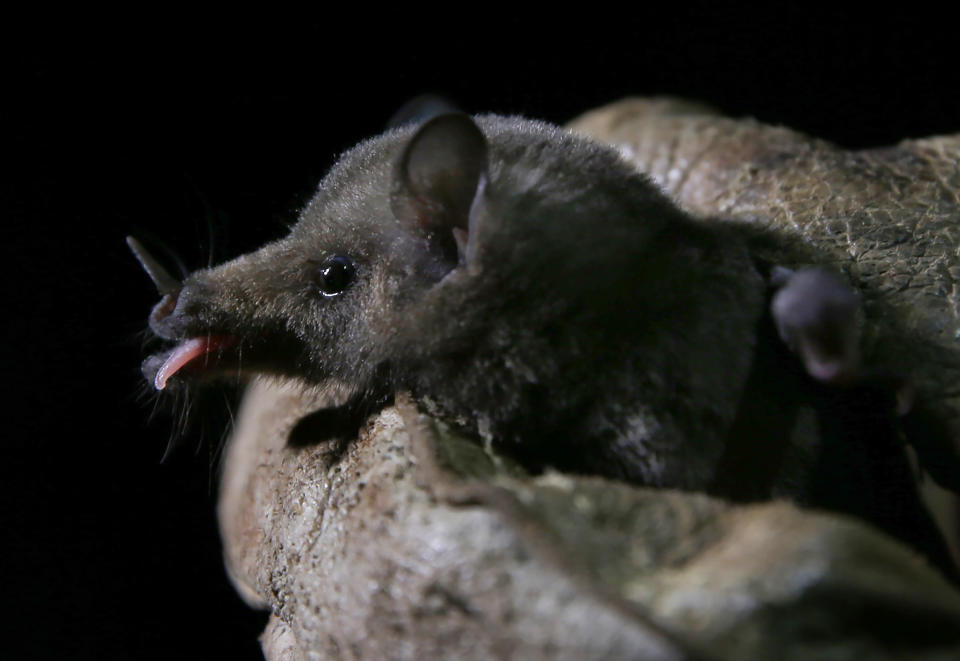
(187, 351)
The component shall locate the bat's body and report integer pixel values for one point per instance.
(535, 287)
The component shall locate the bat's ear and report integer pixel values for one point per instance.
(440, 173)
(817, 316)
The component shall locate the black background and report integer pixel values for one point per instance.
(207, 132)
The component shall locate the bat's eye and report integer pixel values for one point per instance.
(334, 274)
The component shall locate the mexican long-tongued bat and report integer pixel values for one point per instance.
(534, 286)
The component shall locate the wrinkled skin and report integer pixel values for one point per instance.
(412, 543)
(415, 543)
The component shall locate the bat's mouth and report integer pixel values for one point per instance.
(194, 355)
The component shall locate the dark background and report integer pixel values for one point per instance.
(206, 133)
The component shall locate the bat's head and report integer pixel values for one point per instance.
(388, 224)
(428, 242)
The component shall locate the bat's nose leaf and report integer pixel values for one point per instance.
(166, 284)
